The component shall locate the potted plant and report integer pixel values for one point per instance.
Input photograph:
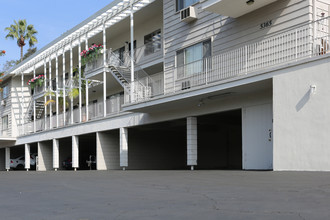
(36, 81)
(91, 53)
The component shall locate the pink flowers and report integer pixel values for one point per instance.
(92, 49)
(35, 79)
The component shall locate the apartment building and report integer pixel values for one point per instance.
(177, 84)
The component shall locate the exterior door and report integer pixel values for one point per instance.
(257, 137)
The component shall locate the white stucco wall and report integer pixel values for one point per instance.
(301, 118)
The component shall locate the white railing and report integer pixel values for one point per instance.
(277, 50)
(113, 104)
(306, 41)
(149, 51)
(96, 63)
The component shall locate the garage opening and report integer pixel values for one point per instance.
(17, 158)
(87, 152)
(65, 153)
(220, 141)
(2, 159)
(33, 156)
(158, 146)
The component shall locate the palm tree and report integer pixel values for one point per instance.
(22, 32)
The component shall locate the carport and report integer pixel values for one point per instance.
(2, 159)
(16, 152)
(220, 140)
(65, 151)
(87, 149)
(158, 146)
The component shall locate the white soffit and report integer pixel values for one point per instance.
(234, 8)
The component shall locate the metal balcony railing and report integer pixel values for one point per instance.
(95, 111)
(149, 51)
(291, 45)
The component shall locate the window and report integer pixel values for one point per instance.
(5, 123)
(120, 53)
(129, 46)
(152, 42)
(181, 4)
(190, 60)
(5, 92)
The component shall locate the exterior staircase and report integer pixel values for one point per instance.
(40, 108)
(122, 73)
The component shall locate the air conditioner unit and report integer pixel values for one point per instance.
(188, 14)
(185, 85)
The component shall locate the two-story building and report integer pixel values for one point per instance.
(177, 84)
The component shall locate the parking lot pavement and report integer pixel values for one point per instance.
(164, 195)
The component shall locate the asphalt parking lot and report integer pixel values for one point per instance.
(89, 195)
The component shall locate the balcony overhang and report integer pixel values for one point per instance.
(235, 8)
(7, 141)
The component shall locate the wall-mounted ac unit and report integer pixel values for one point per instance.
(188, 14)
(185, 85)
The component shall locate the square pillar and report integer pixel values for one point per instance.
(123, 147)
(107, 151)
(56, 154)
(45, 158)
(27, 156)
(192, 142)
(7, 155)
(75, 152)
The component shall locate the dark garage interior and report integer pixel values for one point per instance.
(220, 141)
(158, 146)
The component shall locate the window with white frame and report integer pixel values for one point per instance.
(4, 123)
(191, 60)
(5, 92)
(181, 4)
(152, 42)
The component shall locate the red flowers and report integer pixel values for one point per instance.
(34, 79)
(92, 49)
(2, 52)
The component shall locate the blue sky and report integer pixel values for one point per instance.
(50, 18)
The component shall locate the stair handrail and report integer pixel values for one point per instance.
(139, 73)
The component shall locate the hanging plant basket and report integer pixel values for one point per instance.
(91, 53)
(36, 81)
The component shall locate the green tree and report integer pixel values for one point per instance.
(22, 32)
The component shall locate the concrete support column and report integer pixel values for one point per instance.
(27, 156)
(107, 151)
(56, 154)
(45, 158)
(123, 147)
(7, 158)
(75, 152)
(192, 142)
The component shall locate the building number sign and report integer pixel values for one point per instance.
(266, 24)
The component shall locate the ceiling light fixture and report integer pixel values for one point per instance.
(250, 2)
